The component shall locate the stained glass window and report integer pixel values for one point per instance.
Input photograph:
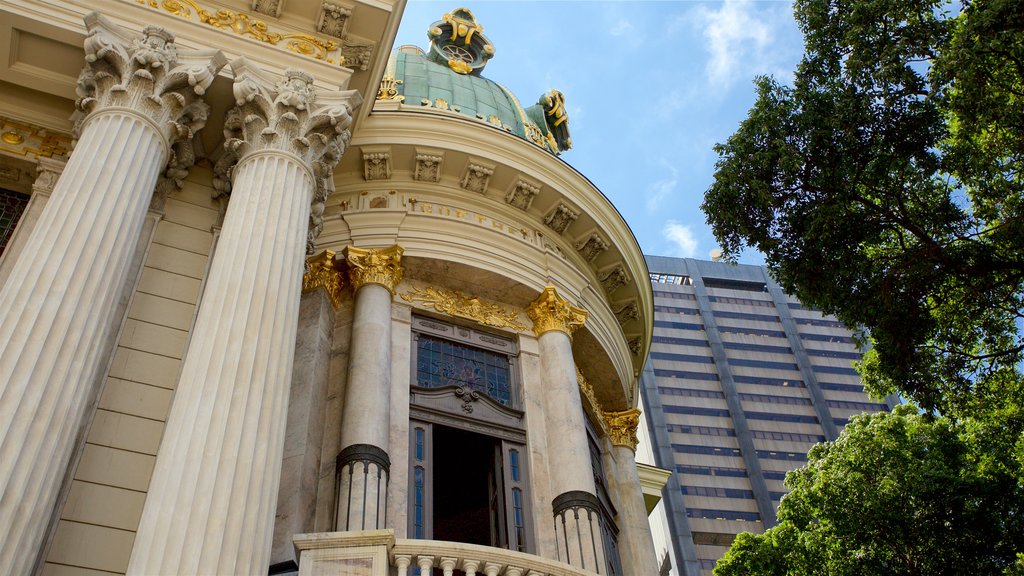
(12, 205)
(442, 362)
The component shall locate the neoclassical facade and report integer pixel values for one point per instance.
(275, 298)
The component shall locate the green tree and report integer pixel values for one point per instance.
(885, 187)
(895, 494)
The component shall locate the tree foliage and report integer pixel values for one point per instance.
(885, 186)
(895, 494)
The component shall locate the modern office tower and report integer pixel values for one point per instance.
(281, 299)
(742, 380)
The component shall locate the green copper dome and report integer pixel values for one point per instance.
(447, 77)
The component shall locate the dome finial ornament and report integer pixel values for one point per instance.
(458, 41)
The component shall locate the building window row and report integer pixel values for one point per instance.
(777, 495)
(763, 381)
(705, 450)
(773, 455)
(773, 417)
(787, 436)
(706, 564)
(702, 430)
(742, 301)
(758, 347)
(833, 354)
(716, 492)
(744, 316)
(677, 325)
(696, 411)
(751, 331)
(693, 393)
(723, 515)
(827, 338)
(835, 370)
(849, 405)
(773, 475)
(821, 323)
(674, 295)
(680, 341)
(676, 279)
(682, 357)
(727, 284)
(794, 400)
(677, 310)
(713, 538)
(713, 471)
(763, 364)
(685, 374)
(840, 387)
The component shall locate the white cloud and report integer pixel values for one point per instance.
(681, 236)
(658, 191)
(621, 28)
(741, 40)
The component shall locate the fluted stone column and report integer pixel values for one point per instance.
(363, 464)
(636, 545)
(575, 506)
(211, 503)
(138, 105)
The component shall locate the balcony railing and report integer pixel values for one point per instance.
(377, 552)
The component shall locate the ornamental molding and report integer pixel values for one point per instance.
(243, 24)
(477, 176)
(591, 247)
(376, 163)
(19, 139)
(374, 266)
(622, 428)
(334, 19)
(428, 165)
(561, 217)
(552, 312)
(461, 305)
(322, 272)
(287, 116)
(521, 194)
(357, 53)
(148, 75)
(590, 404)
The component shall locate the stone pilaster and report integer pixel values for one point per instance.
(636, 545)
(138, 103)
(363, 464)
(220, 458)
(575, 506)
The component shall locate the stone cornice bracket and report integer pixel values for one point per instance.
(622, 427)
(287, 116)
(374, 266)
(552, 312)
(322, 272)
(149, 76)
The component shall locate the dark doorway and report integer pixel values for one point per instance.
(467, 496)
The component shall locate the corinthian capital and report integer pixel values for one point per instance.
(552, 312)
(149, 76)
(622, 427)
(289, 116)
(374, 266)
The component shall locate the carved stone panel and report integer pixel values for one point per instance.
(592, 246)
(614, 279)
(333, 20)
(522, 194)
(377, 163)
(477, 177)
(428, 166)
(270, 8)
(560, 218)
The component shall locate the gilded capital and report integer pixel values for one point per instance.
(374, 266)
(552, 312)
(322, 272)
(622, 427)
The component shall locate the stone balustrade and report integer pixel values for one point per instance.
(376, 552)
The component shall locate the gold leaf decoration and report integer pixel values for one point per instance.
(465, 306)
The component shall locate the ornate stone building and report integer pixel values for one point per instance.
(274, 298)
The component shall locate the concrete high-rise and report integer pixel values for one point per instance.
(741, 381)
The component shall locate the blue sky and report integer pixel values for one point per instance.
(650, 87)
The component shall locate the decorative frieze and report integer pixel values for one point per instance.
(477, 177)
(627, 312)
(322, 272)
(333, 20)
(428, 166)
(374, 266)
(376, 163)
(270, 8)
(552, 312)
(522, 194)
(614, 279)
(622, 427)
(465, 306)
(561, 217)
(592, 246)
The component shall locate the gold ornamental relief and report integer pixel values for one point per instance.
(465, 306)
(552, 312)
(322, 272)
(590, 404)
(374, 266)
(622, 427)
